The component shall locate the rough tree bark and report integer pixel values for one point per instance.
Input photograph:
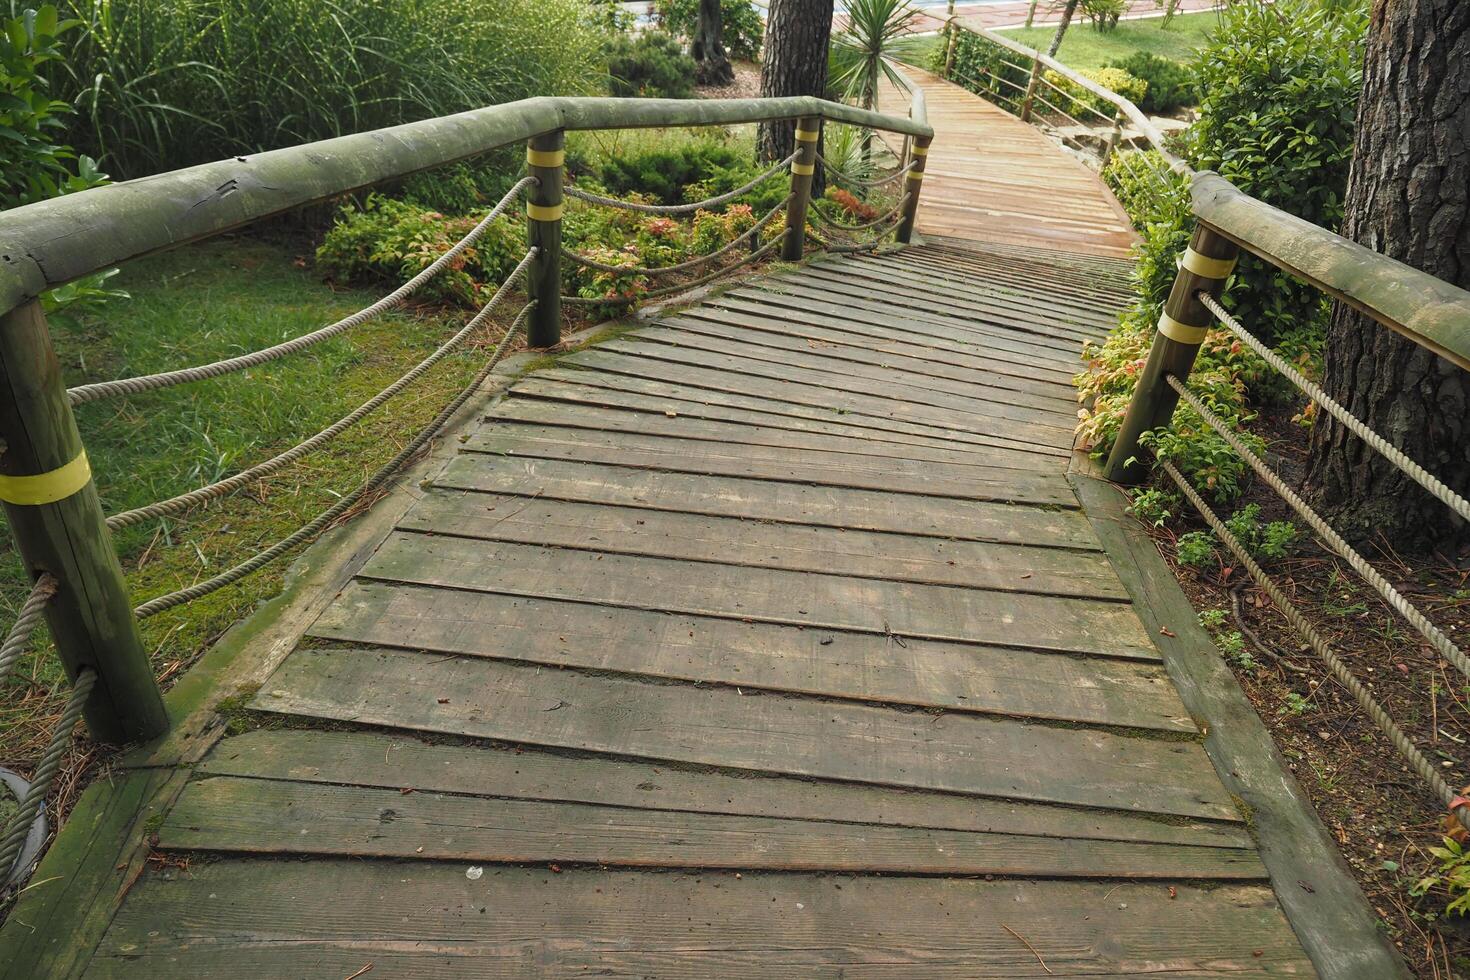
(798, 33)
(711, 61)
(1056, 40)
(1408, 197)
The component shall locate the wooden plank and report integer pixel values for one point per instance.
(978, 755)
(849, 406)
(242, 917)
(364, 758)
(765, 500)
(606, 417)
(626, 374)
(224, 813)
(732, 541)
(1015, 421)
(767, 462)
(763, 656)
(1336, 925)
(767, 594)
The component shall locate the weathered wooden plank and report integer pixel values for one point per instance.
(224, 813)
(1016, 421)
(766, 500)
(973, 754)
(755, 655)
(734, 541)
(768, 410)
(1108, 283)
(766, 594)
(365, 758)
(690, 332)
(241, 917)
(767, 462)
(848, 406)
(667, 421)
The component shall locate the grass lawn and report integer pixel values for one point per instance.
(199, 304)
(1083, 47)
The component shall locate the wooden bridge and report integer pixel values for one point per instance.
(783, 634)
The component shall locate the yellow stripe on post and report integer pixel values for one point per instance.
(47, 488)
(919, 151)
(1181, 332)
(1204, 265)
(915, 176)
(540, 212)
(803, 169)
(545, 158)
(807, 135)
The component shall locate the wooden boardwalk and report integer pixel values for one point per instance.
(783, 635)
(992, 178)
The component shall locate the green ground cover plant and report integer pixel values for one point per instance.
(1095, 49)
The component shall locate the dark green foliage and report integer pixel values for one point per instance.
(742, 27)
(465, 187)
(1170, 84)
(649, 65)
(979, 66)
(1279, 90)
(663, 172)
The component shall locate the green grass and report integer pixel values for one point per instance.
(1083, 47)
(196, 305)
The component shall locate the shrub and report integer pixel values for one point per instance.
(678, 172)
(1450, 875)
(649, 65)
(1261, 541)
(741, 24)
(1170, 84)
(1085, 105)
(166, 83)
(980, 66)
(1195, 549)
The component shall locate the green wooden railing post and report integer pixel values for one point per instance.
(1204, 267)
(56, 518)
(1114, 137)
(952, 31)
(913, 182)
(1030, 96)
(808, 131)
(546, 161)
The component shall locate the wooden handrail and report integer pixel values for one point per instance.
(52, 242)
(1429, 311)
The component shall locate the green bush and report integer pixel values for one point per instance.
(649, 65)
(980, 66)
(165, 83)
(1279, 88)
(1087, 106)
(1170, 84)
(741, 24)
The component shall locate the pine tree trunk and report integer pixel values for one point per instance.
(1408, 197)
(711, 62)
(1056, 40)
(797, 35)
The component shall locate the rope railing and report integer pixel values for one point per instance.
(839, 226)
(855, 181)
(329, 516)
(674, 209)
(186, 501)
(151, 382)
(1441, 643)
(1313, 391)
(19, 636)
(694, 263)
(1375, 711)
(19, 825)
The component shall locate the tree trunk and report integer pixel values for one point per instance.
(1408, 197)
(711, 62)
(797, 36)
(1031, 14)
(1056, 41)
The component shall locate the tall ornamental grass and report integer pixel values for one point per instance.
(161, 84)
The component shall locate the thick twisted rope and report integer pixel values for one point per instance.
(681, 287)
(185, 501)
(1401, 742)
(331, 514)
(713, 202)
(848, 178)
(19, 636)
(45, 774)
(150, 382)
(1385, 448)
(694, 263)
(887, 216)
(1359, 564)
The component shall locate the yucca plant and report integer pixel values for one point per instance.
(864, 44)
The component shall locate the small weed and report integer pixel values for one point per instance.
(1451, 875)
(1294, 705)
(1195, 549)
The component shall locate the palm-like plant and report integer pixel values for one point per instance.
(864, 43)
